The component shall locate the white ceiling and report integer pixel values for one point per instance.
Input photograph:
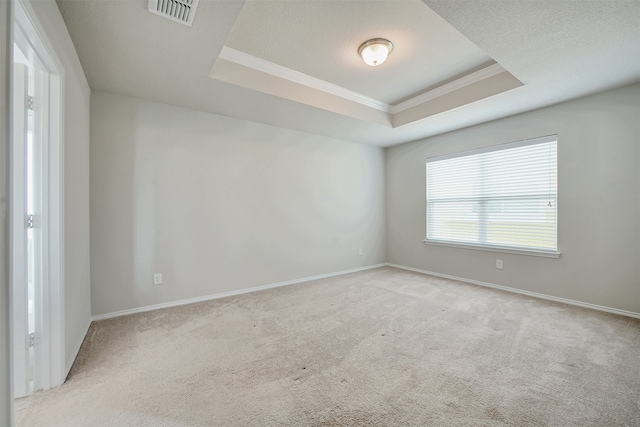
(307, 52)
(559, 49)
(321, 39)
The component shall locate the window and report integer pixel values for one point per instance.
(499, 198)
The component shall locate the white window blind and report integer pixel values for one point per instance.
(504, 197)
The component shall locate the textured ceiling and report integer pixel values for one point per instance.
(559, 50)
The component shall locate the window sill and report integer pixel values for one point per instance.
(545, 254)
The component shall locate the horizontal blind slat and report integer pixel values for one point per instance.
(504, 198)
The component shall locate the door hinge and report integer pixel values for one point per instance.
(32, 221)
(31, 103)
(32, 341)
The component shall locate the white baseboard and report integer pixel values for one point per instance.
(227, 294)
(76, 350)
(523, 292)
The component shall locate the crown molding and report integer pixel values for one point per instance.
(460, 83)
(262, 65)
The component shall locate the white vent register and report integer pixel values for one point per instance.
(182, 11)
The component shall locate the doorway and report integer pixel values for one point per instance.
(35, 213)
(27, 204)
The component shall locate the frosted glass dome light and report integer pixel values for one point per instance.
(375, 51)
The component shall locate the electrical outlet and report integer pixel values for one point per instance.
(360, 251)
(157, 279)
(499, 264)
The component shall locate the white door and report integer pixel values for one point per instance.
(26, 219)
(20, 344)
(36, 267)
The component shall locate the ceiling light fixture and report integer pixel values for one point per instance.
(375, 51)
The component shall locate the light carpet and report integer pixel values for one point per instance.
(383, 347)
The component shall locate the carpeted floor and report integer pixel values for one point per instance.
(382, 347)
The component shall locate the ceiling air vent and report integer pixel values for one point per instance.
(181, 11)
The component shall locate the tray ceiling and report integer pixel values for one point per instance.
(321, 39)
(294, 64)
(307, 52)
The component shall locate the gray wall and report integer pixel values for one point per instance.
(599, 202)
(76, 179)
(218, 204)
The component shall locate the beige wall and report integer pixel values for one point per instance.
(76, 179)
(599, 202)
(218, 204)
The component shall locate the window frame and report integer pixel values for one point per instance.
(489, 247)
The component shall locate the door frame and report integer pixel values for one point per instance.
(6, 68)
(19, 257)
(50, 351)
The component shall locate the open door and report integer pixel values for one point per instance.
(26, 219)
(19, 245)
(36, 262)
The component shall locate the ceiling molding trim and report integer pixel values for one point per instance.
(253, 62)
(460, 83)
(413, 109)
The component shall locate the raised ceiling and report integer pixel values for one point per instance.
(294, 64)
(307, 52)
(321, 39)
